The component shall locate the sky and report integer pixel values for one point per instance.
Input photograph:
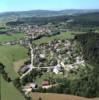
(24, 5)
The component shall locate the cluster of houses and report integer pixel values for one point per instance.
(24, 41)
(35, 31)
(65, 51)
(29, 87)
(56, 56)
(20, 42)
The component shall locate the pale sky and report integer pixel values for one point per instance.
(23, 5)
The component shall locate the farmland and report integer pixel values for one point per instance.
(9, 92)
(62, 36)
(11, 54)
(11, 37)
(50, 96)
(47, 58)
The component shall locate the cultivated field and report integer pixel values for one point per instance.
(53, 96)
(9, 92)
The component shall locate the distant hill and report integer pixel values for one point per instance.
(41, 13)
(39, 20)
(90, 19)
(86, 19)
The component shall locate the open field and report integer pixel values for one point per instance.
(12, 37)
(53, 96)
(19, 63)
(9, 92)
(11, 54)
(62, 36)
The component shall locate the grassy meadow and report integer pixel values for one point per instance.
(9, 92)
(11, 37)
(9, 55)
(61, 36)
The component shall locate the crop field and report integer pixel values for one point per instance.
(9, 92)
(12, 37)
(53, 96)
(61, 36)
(9, 55)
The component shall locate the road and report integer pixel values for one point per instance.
(33, 67)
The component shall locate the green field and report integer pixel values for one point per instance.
(11, 54)
(8, 56)
(11, 37)
(9, 92)
(61, 36)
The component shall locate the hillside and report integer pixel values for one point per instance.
(90, 45)
(78, 20)
(89, 19)
(41, 13)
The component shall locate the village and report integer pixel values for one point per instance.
(36, 31)
(49, 50)
(58, 56)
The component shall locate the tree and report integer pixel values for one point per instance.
(1, 68)
(39, 98)
(17, 83)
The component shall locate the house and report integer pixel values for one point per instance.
(47, 86)
(24, 68)
(45, 83)
(50, 86)
(56, 69)
(27, 91)
(42, 56)
(33, 85)
(29, 87)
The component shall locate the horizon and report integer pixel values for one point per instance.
(54, 5)
(43, 10)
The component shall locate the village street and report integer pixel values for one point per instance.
(33, 67)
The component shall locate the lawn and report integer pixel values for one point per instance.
(9, 92)
(9, 55)
(61, 36)
(12, 37)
